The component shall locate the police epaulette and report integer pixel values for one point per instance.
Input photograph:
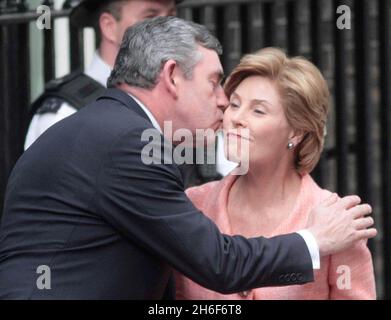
(77, 89)
(54, 84)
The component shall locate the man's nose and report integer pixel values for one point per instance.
(222, 100)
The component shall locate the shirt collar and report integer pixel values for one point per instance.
(148, 113)
(98, 69)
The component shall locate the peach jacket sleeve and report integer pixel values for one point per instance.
(351, 275)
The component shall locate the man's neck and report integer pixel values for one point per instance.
(108, 52)
(151, 99)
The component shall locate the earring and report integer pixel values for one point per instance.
(290, 145)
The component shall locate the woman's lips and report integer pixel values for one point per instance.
(231, 134)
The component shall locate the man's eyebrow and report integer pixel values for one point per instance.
(150, 11)
(219, 75)
(157, 11)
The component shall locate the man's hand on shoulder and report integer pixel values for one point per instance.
(338, 223)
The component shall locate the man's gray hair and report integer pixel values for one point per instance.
(146, 46)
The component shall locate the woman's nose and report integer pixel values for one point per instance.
(239, 118)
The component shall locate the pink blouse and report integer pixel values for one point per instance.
(346, 275)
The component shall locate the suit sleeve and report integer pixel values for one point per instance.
(148, 205)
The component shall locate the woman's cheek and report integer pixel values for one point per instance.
(226, 118)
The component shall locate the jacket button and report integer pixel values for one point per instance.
(299, 277)
(244, 294)
(281, 278)
(287, 278)
(293, 277)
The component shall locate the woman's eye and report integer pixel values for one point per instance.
(233, 105)
(259, 111)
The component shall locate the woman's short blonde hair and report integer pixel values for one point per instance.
(304, 96)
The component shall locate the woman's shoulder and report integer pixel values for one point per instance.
(211, 191)
(200, 195)
(318, 193)
(204, 190)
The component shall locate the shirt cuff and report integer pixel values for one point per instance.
(312, 247)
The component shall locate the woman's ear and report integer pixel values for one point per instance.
(108, 27)
(296, 137)
(170, 77)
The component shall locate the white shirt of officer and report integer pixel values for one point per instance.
(97, 70)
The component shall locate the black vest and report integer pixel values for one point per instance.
(77, 89)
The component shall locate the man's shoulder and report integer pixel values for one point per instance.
(98, 126)
(115, 114)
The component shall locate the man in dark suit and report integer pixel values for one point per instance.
(84, 212)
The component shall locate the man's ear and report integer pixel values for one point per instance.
(170, 76)
(108, 27)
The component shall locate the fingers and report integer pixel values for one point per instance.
(364, 223)
(347, 202)
(366, 234)
(330, 200)
(360, 210)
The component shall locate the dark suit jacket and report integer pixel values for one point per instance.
(81, 202)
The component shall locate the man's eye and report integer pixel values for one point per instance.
(214, 84)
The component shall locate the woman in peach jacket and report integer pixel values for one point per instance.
(278, 110)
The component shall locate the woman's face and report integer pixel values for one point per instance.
(255, 105)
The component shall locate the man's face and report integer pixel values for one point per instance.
(201, 99)
(134, 11)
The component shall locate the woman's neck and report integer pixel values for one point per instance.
(270, 192)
